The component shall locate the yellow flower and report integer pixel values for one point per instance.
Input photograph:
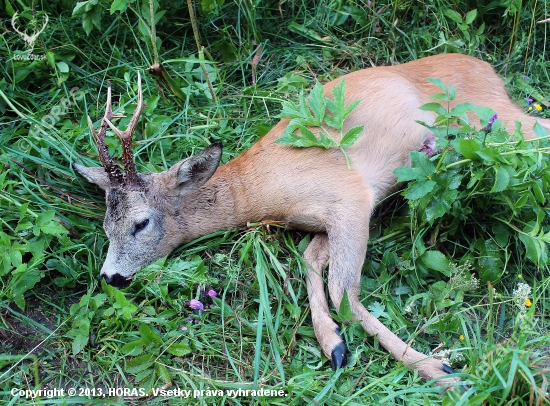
(538, 107)
(528, 303)
(461, 338)
(530, 108)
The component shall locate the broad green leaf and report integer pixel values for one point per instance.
(452, 92)
(539, 130)
(148, 335)
(537, 192)
(419, 189)
(484, 113)
(119, 5)
(470, 17)
(53, 228)
(290, 110)
(179, 349)
(22, 281)
(316, 101)
(405, 173)
(435, 107)
(461, 108)
(351, 136)
(535, 250)
(434, 259)
(351, 107)
(79, 342)
(421, 161)
(440, 206)
(502, 178)
(345, 312)
(468, 148)
(439, 83)
(453, 15)
(45, 218)
(336, 106)
(140, 363)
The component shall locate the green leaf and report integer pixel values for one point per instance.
(345, 312)
(316, 101)
(179, 349)
(502, 178)
(79, 342)
(468, 148)
(148, 335)
(336, 106)
(45, 218)
(535, 250)
(436, 260)
(539, 130)
(421, 162)
(119, 5)
(470, 17)
(439, 83)
(53, 228)
(484, 113)
(22, 281)
(63, 67)
(453, 15)
(419, 189)
(461, 108)
(133, 348)
(406, 173)
(140, 363)
(351, 136)
(435, 107)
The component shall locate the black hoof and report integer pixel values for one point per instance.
(446, 368)
(338, 358)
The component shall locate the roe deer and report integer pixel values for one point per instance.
(149, 215)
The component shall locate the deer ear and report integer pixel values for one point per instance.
(96, 175)
(193, 172)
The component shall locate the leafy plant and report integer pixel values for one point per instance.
(502, 181)
(312, 112)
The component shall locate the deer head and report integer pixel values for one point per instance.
(143, 210)
(29, 39)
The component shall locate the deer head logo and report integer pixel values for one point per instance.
(29, 39)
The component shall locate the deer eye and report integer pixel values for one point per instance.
(140, 226)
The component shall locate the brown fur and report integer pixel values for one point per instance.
(309, 189)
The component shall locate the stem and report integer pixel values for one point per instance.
(153, 31)
(200, 49)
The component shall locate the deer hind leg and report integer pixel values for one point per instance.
(347, 251)
(326, 330)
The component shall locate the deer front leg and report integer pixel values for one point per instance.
(326, 330)
(348, 244)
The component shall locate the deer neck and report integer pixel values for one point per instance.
(225, 202)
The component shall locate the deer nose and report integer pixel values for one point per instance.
(116, 280)
(108, 279)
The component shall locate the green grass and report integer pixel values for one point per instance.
(60, 329)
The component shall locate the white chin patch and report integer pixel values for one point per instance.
(429, 146)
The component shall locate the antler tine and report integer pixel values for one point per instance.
(113, 170)
(132, 178)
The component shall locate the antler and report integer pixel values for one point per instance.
(131, 178)
(28, 38)
(115, 174)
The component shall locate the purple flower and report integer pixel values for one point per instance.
(526, 78)
(212, 293)
(529, 100)
(183, 328)
(195, 304)
(492, 119)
